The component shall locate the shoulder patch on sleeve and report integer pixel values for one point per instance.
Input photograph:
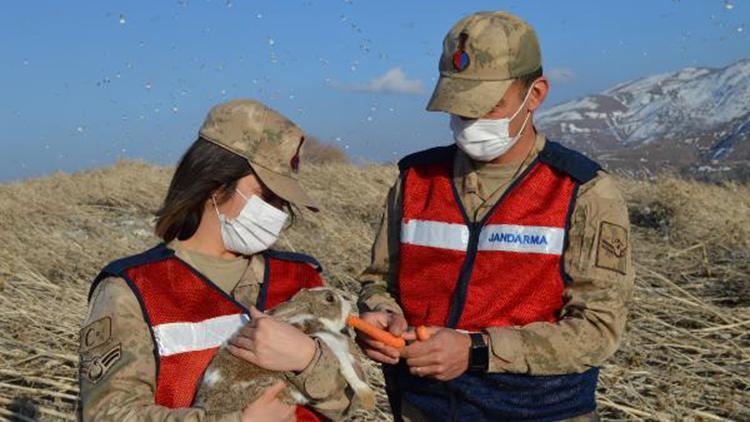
(96, 367)
(96, 334)
(611, 251)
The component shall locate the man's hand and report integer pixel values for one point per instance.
(393, 323)
(444, 356)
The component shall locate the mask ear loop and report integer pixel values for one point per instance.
(216, 207)
(526, 98)
(242, 195)
(523, 127)
(528, 114)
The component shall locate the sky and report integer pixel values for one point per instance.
(85, 83)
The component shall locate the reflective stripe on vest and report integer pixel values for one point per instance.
(182, 337)
(504, 270)
(493, 237)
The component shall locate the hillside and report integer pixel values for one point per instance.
(695, 120)
(686, 355)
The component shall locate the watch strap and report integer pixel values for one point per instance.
(478, 353)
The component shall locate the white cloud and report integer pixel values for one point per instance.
(393, 81)
(559, 74)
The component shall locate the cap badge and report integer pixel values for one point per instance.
(461, 58)
(294, 162)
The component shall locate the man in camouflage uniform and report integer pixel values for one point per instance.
(516, 339)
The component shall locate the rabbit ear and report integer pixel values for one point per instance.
(287, 310)
(305, 322)
(299, 303)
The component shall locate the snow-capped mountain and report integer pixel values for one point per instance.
(695, 120)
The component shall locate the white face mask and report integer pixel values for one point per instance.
(486, 139)
(255, 229)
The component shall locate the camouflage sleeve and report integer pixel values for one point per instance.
(379, 278)
(117, 371)
(330, 395)
(598, 260)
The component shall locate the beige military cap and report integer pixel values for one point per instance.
(270, 142)
(482, 54)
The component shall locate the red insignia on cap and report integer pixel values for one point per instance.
(461, 58)
(294, 162)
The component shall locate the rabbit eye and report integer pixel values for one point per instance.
(329, 297)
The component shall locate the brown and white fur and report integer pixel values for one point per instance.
(230, 383)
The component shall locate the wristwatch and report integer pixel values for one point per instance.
(479, 354)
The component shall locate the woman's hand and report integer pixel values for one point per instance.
(268, 407)
(272, 344)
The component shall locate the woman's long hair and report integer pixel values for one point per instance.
(204, 168)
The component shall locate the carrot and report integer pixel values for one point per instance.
(422, 333)
(378, 334)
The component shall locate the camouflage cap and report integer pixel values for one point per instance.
(482, 54)
(270, 142)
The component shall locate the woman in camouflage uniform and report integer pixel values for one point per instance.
(155, 319)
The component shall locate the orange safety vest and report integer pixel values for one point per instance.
(190, 317)
(504, 270)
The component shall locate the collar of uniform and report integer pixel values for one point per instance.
(248, 288)
(464, 175)
(465, 169)
(256, 271)
(190, 256)
(539, 142)
(253, 275)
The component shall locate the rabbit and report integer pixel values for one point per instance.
(230, 383)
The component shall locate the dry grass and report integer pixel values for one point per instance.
(320, 152)
(686, 356)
